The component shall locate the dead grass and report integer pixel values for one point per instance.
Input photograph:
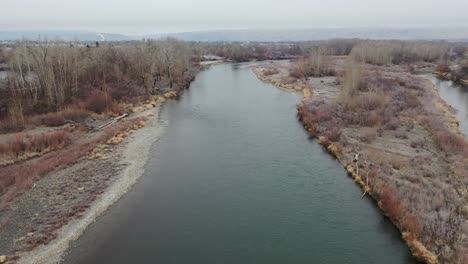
(17, 178)
(269, 72)
(420, 179)
(22, 144)
(446, 140)
(52, 119)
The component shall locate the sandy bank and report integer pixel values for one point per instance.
(134, 154)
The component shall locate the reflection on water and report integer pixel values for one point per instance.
(456, 96)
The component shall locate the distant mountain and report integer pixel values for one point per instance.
(66, 35)
(453, 34)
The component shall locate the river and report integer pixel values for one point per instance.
(456, 96)
(235, 179)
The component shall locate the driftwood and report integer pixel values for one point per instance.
(113, 121)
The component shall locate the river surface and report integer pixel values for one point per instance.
(236, 180)
(455, 95)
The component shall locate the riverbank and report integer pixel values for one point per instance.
(38, 225)
(232, 181)
(408, 163)
(449, 76)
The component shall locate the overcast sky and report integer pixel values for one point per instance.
(137, 17)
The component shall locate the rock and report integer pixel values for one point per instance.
(30, 234)
(81, 189)
(2, 259)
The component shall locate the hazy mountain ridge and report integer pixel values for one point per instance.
(67, 35)
(451, 34)
(320, 34)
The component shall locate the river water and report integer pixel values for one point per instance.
(455, 95)
(236, 180)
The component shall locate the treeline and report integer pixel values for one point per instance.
(242, 52)
(50, 76)
(44, 77)
(457, 62)
(397, 52)
(315, 61)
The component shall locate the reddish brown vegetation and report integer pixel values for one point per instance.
(391, 206)
(19, 177)
(297, 73)
(99, 101)
(446, 140)
(51, 119)
(269, 72)
(23, 144)
(68, 75)
(412, 186)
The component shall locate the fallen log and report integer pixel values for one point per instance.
(113, 121)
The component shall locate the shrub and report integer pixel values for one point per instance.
(417, 144)
(388, 52)
(22, 144)
(333, 149)
(397, 163)
(411, 225)
(8, 126)
(297, 73)
(368, 136)
(52, 119)
(448, 141)
(443, 67)
(334, 134)
(22, 175)
(98, 101)
(367, 101)
(389, 204)
(59, 118)
(270, 72)
(323, 141)
(444, 139)
(392, 124)
(352, 81)
(312, 131)
(401, 135)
